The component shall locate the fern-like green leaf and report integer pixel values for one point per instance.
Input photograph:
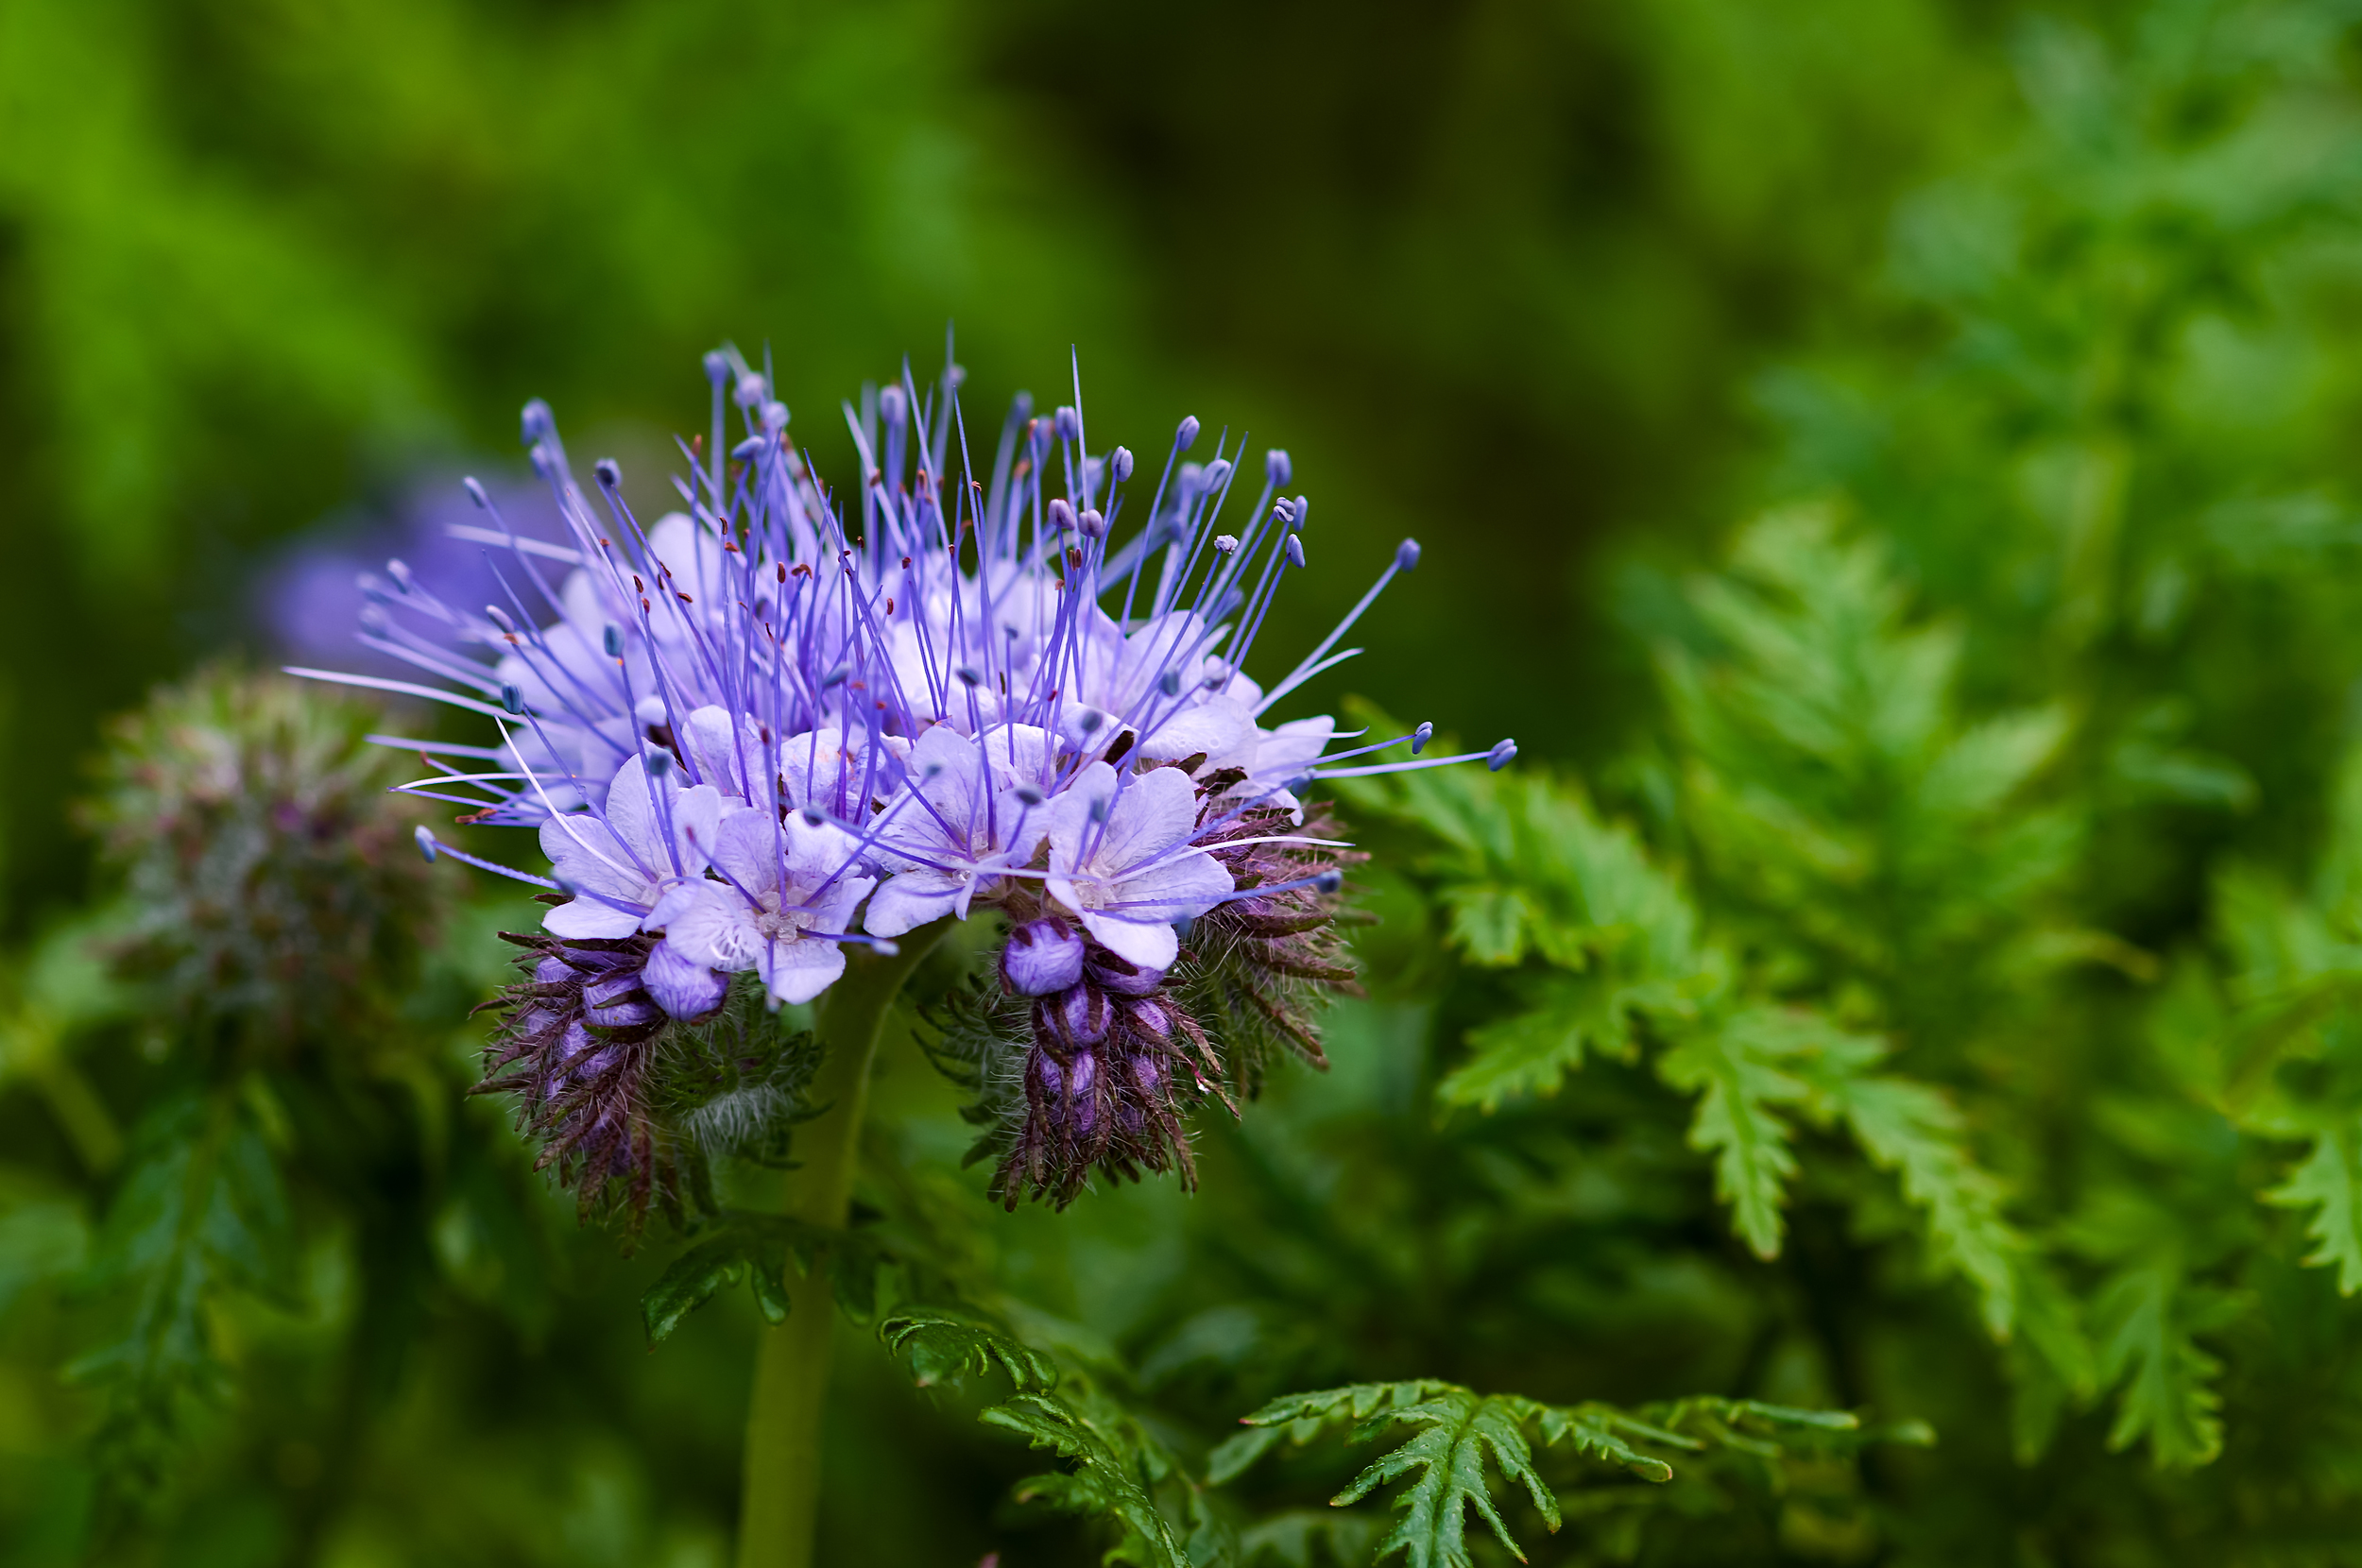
(1287, 1539)
(1736, 1069)
(1489, 922)
(2329, 1182)
(1463, 1437)
(1912, 1129)
(939, 1347)
(2146, 1325)
(1105, 1482)
(757, 1249)
(1984, 766)
(1459, 1430)
(1532, 1052)
(202, 1213)
(1116, 1465)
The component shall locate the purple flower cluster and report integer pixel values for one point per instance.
(776, 722)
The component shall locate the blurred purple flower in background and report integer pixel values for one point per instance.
(310, 600)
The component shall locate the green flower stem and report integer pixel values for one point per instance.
(781, 1499)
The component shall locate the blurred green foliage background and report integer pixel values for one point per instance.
(2028, 744)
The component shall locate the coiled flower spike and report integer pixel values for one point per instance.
(778, 722)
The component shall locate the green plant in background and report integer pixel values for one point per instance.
(1936, 1012)
(265, 940)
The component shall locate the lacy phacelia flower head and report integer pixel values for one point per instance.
(781, 721)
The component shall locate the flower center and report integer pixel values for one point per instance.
(781, 923)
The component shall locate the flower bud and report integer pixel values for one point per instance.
(1150, 1017)
(576, 1045)
(618, 1002)
(1042, 957)
(681, 986)
(1078, 1016)
(1121, 975)
(1082, 1084)
(1048, 1079)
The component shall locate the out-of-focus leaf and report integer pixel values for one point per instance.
(1739, 1073)
(759, 1249)
(2329, 1182)
(2145, 1336)
(202, 1213)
